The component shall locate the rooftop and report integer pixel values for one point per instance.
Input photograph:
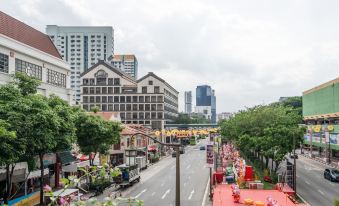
(25, 34)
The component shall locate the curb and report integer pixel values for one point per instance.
(320, 161)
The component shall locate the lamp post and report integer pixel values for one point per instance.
(177, 173)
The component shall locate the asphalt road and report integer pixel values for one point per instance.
(311, 184)
(157, 185)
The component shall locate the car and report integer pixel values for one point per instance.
(174, 154)
(181, 150)
(292, 156)
(331, 174)
(202, 148)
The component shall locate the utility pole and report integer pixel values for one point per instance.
(294, 168)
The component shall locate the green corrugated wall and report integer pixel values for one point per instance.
(322, 101)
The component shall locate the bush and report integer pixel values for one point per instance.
(99, 185)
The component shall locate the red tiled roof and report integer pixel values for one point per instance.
(25, 34)
(105, 115)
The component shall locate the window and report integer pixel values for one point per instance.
(116, 90)
(147, 115)
(56, 78)
(128, 107)
(28, 68)
(104, 99)
(110, 99)
(153, 107)
(141, 115)
(97, 99)
(110, 81)
(104, 107)
(153, 115)
(147, 107)
(110, 107)
(135, 99)
(141, 99)
(135, 115)
(85, 90)
(91, 90)
(116, 99)
(104, 90)
(92, 81)
(147, 99)
(122, 107)
(135, 107)
(157, 89)
(150, 82)
(144, 89)
(116, 107)
(128, 99)
(160, 99)
(116, 81)
(97, 90)
(3, 63)
(85, 82)
(153, 99)
(85, 99)
(110, 90)
(159, 115)
(141, 107)
(91, 99)
(122, 99)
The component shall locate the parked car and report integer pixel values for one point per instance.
(331, 174)
(202, 148)
(181, 150)
(292, 156)
(174, 153)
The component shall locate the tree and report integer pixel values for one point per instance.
(46, 124)
(94, 134)
(12, 149)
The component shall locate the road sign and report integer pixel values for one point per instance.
(209, 155)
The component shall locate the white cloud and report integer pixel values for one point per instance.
(250, 52)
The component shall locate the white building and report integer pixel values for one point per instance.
(204, 110)
(126, 63)
(25, 49)
(148, 101)
(81, 47)
(188, 102)
(224, 116)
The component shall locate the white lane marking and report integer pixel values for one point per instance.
(153, 193)
(162, 184)
(168, 191)
(205, 194)
(190, 197)
(141, 193)
(321, 192)
(307, 182)
(188, 166)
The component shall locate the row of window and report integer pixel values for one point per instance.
(28, 68)
(128, 99)
(156, 89)
(3, 63)
(56, 78)
(130, 107)
(101, 81)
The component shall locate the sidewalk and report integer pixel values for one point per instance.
(334, 162)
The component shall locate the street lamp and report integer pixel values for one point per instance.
(177, 173)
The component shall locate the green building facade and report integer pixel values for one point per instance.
(321, 115)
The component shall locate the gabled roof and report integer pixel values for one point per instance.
(106, 115)
(109, 66)
(155, 76)
(25, 34)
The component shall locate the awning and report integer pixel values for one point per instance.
(66, 157)
(37, 173)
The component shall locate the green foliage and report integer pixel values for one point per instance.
(187, 119)
(26, 84)
(94, 134)
(268, 131)
(11, 149)
(336, 202)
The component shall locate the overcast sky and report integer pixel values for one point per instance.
(250, 52)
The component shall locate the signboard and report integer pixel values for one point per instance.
(209, 155)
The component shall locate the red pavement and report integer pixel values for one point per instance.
(223, 196)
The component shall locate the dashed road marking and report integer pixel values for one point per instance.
(153, 194)
(321, 192)
(168, 191)
(140, 193)
(307, 182)
(191, 194)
